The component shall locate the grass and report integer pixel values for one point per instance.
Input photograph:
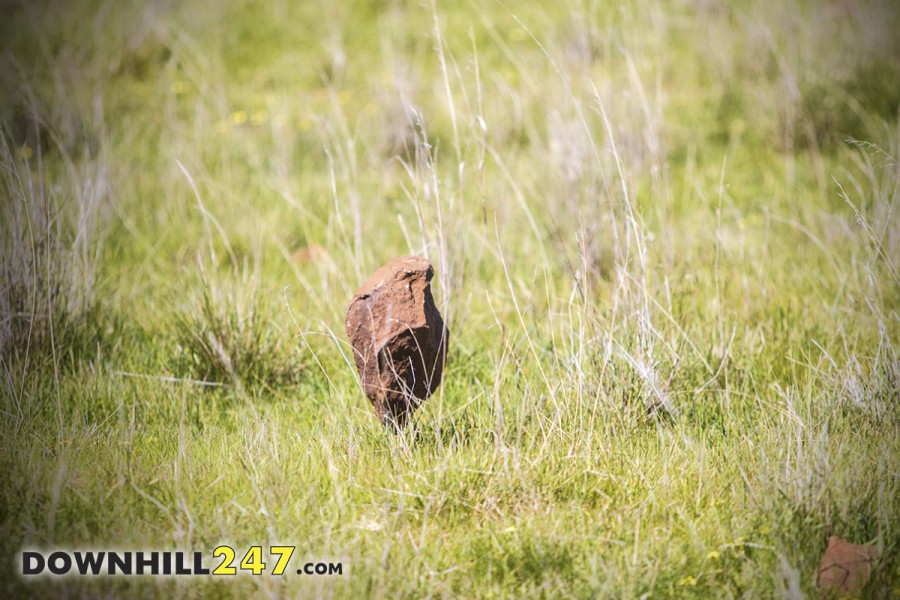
(666, 242)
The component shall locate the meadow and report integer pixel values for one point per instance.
(666, 242)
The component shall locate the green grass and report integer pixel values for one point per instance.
(666, 241)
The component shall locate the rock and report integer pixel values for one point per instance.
(845, 567)
(398, 338)
(311, 253)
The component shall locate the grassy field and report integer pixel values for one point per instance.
(666, 237)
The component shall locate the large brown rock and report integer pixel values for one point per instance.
(845, 567)
(398, 337)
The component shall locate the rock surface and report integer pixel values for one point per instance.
(845, 567)
(398, 338)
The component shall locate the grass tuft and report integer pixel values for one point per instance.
(224, 336)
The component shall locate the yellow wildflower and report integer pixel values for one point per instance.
(239, 117)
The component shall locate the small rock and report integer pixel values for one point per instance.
(311, 253)
(398, 338)
(845, 567)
